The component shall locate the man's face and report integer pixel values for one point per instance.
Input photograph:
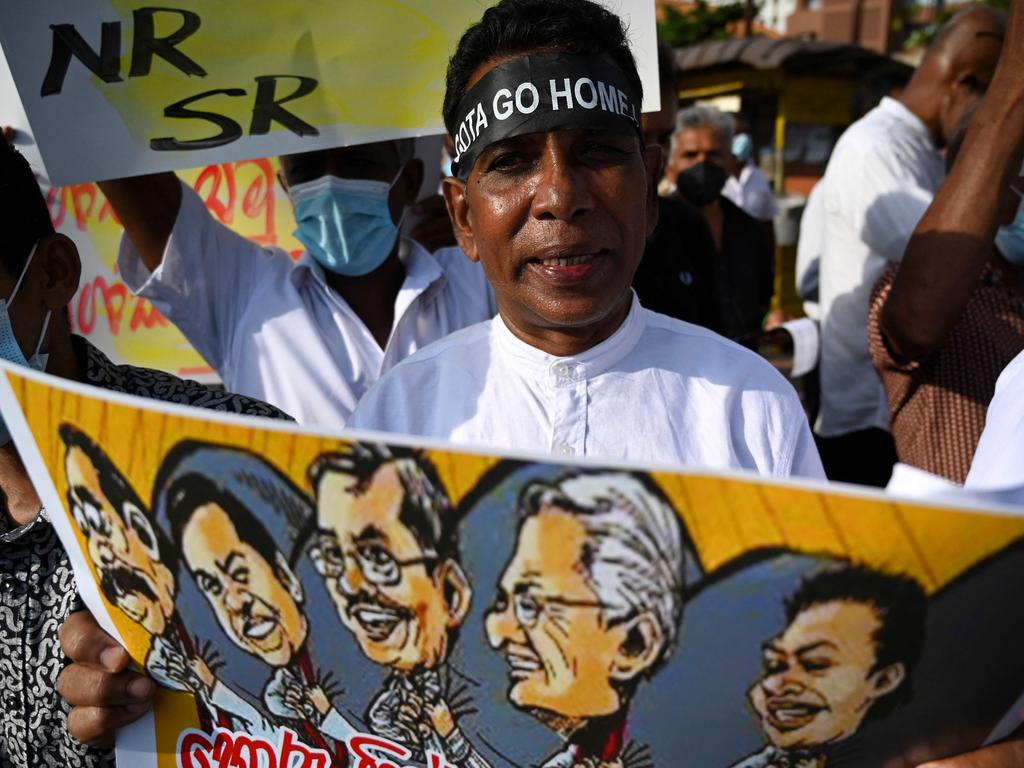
(964, 93)
(818, 683)
(126, 557)
(388, 592)
(250, 597)
(558, 221)
(550, 626)
(695, 146)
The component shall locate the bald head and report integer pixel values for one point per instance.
(957, 69)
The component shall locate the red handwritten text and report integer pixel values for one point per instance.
(227, 749)
(373, 752)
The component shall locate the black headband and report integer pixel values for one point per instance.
(541, 93)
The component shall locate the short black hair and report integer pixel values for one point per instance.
(24, 217)
(426, 509)
(668, 71)
(515, 27)
(191, 491)
(899, 603)
(115, 486)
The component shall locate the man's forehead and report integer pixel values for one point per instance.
(343, 500)
(843, 622)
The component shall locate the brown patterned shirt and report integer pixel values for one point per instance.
(938, 403)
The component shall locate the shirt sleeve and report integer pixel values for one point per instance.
(204, 283)
(893, 198)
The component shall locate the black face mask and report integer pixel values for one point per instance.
(701, 184)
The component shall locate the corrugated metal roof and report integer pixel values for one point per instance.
(788, 53)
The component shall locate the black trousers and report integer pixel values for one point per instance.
(865, 457)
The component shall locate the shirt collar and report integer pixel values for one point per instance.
(592, 362)
(899, 111)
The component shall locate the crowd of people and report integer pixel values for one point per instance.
(604, 296)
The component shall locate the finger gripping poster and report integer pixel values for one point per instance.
(310, 600)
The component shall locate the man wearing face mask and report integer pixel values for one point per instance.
(308, 336)
(39, 273)
(699, 165)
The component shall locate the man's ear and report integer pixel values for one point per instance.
(458, 210)
(641, 645)
(654, 163)
(888, 679)
(288, 578)
(457, 591)
(61, 269)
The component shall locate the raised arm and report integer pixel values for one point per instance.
(147, 207)
(953, 240)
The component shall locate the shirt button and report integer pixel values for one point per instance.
(560, 369)
(564, 449)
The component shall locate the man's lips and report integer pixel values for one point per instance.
(258, 627)
(790, 714)
(567, 264)
(378, 621)
(522, 663)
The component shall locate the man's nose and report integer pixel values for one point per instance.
(782, 684)
(501, 627)
(239, 599)
(351, 580)
(563, 186)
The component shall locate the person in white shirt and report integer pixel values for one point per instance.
(747, 185)
(879, 181)
(308, 336)
(556, 204)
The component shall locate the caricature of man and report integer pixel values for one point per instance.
(853, 638)
(230, 514)
(387, 549)
(589, 606)
(134, 564)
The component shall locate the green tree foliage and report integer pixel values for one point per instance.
(703, 22)
(921, 36)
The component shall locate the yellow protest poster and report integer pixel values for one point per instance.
(114, 88)
(316, 599)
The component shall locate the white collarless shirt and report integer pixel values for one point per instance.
(657, 391)
(879, 181)
(999, 458)
(273, 329)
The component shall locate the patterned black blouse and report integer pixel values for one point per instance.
(38, 592)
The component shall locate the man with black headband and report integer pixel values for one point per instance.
(555, 196)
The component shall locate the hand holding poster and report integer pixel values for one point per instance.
(158, 88)
(334, 600)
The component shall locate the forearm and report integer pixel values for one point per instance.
(147, 207)
(953, 240)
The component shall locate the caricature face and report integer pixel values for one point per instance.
(256, 602)
(126, 556)
(398, 600)
(563, 656)
(817, 684)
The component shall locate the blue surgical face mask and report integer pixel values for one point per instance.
(10, 350)
(345, 224)
(1010, 239)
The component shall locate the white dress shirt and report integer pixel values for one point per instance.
(808, 252)
(880, 180)
(752, 192)
(658, 390)
(273, 329)
(999, 458)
